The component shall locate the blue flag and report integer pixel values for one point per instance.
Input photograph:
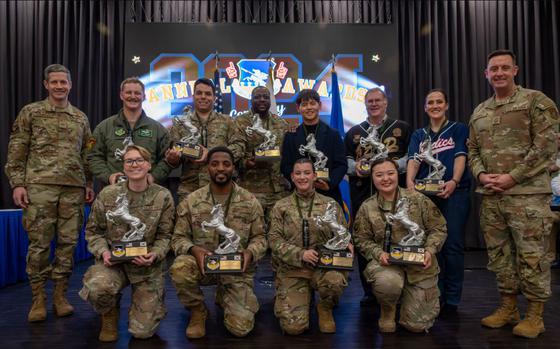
(337, 122)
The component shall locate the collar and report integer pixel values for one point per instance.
(69, 109)
(508, 100)
(121, 119)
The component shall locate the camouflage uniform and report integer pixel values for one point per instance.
(417, 288)
(109, 136)
(47, 156)
(265, 180)
(295, 280)
(237, 298)
(103, 285)
(516, 136)
(217, 131)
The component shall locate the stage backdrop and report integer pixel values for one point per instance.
(170, 57)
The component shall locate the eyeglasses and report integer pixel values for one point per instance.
(139, 162)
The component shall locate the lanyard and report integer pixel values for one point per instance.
(299, 207)
(304, 221)
(204, 131)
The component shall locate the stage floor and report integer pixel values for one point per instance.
(356, 326)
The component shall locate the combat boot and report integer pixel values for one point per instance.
(386, 321)
(60, 303)
(197, 324)
(532, 325)
(38, 311)
(326, 320)
(507, 313)
(109, 326)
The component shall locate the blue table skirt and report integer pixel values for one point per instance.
(13, 247)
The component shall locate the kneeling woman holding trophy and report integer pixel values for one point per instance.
(399, 232)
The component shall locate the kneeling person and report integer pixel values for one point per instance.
(191, 243)
(293, 237)
(415, 285)
(132, 200)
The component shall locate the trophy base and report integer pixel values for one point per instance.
(365, 168)
(333, 259)
(408, 255)
(126, 251)
(193, 151)
(223, 263)
(322, 173)
(269, 155)
(429, 186)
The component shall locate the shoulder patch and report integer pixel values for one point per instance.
(90, 143)
(397, 132)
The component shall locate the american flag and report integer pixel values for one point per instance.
(219, 104)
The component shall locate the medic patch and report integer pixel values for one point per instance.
(397, 132)
(145, 133)
(120, 132)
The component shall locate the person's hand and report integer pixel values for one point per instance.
(250, 163)
(448, 189)
(107, 258)
(145, 260)
(90, 195)
(322, 185)
(351, 248)
(203, 157)
(199, 253)
(115, 177)
(310, 256)
(384, 259)
(20, 197)
(410, 186)
(247, 259)
(150, 179)
(427, 260)
(173, 157)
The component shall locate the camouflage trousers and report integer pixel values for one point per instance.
(419, 300)
(102, 289)
(267, 201)
(234, 294)
(517, 230)
(54, 210)
(293, 295)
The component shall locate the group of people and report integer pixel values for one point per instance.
(508, 147)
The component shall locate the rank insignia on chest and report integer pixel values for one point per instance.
(120, 132)
(397, 132)
(145, 133)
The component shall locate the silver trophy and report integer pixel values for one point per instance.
(120, 152)
(334, 254)
(132, 243)
(372, 143)
(267, 150)
(320, 163)
(432, 184)
(410, 250)
(189, 144)
(226, 258)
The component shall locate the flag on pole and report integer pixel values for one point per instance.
(219, 103)
(270, 86)
(337, 122)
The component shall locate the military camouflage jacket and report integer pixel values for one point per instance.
(154, 208)
(369, 229)
(48, 145)
(215, 132)
(109, 136)
(515, 136)
(265, 177)
(244, 215)
(286, 237)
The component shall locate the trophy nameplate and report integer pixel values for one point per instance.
(193, 151)
(323, 173)
(223, 263)
(429, 186)
(268, 155)
(122, 251)
(407, 255)
(329, 259)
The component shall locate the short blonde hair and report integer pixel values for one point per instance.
(145, 153)
(133, 80)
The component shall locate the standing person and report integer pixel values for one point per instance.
(449, 145)
(512, 142)
(328, 141)
(262, 178)
(48, 173)
(215, 130)
(395, 134)
(243, 214)
(414, 285)
(130, 123)
(152, 205)
(295, 263)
